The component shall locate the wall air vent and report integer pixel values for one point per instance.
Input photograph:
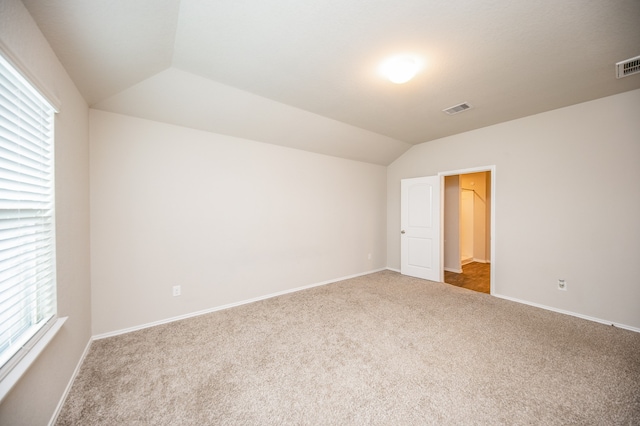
(628, 67)
(457, 108)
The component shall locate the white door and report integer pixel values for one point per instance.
(420, 228)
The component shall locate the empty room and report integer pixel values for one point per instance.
(245, 212)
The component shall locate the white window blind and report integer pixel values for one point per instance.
(27, 227)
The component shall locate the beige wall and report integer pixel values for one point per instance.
(452, 224)
(34, 398)
(477, 183)
(567, 203)
(228, 219)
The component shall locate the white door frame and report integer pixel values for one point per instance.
(492, 234)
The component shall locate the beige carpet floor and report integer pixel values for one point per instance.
(382, 349)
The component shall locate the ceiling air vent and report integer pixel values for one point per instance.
(628, 67)
(457, 108)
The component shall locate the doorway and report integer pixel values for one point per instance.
(468, 212)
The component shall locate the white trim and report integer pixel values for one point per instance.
(457, 271)
(492, 234)
(18, 64)
(63, 398)
(13, 376)
(230, 305)
(573, 314)
(393, 269)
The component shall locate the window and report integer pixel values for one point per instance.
(27, 226)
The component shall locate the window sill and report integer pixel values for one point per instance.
(21, 367)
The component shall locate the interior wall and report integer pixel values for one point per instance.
(476, 182)
(35, 397)
(467, 228)
(487, 224)
(227, 219)
(452, 224)
(566, 200)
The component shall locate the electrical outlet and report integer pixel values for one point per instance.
(562, 285)
(176, 290)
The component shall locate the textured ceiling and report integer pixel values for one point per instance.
(508, 59)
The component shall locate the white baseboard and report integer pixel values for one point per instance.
(63, 398)
(230, 305)
(457, 271)
(573, 314)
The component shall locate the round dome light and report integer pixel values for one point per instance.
(400, 69)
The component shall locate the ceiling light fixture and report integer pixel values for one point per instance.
(400, 69)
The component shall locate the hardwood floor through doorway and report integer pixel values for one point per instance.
(475, 276)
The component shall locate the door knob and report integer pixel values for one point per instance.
(402, 232)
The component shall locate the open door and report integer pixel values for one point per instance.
(478, 184)
(420, 228)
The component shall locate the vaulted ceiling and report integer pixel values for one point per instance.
(304, 73)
